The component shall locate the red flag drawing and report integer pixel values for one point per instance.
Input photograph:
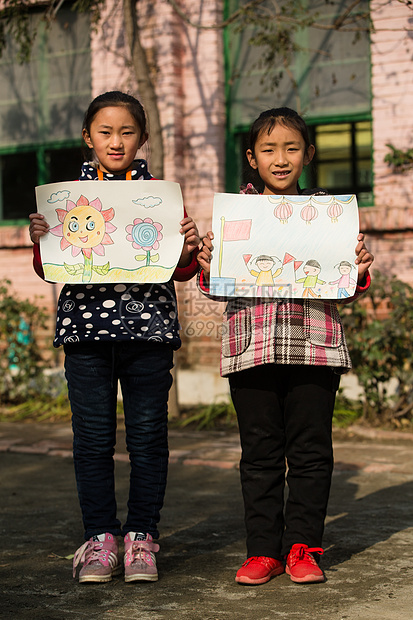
(287, 258)
(237, 230)
(246, 258)
(297, 264)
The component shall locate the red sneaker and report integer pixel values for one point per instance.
(301, 565)
(259, 569)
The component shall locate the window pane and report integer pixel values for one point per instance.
(44, 99)
(331, 74)
(333, 153)
(333, 142)
(335, 177)
(64, 164)
(19, 177)
(343, 158)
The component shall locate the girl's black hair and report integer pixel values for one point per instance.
(266, 123)
(115, 98)
(264, 257)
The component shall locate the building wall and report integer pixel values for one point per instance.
(188, 71)
(187, 66)
(389, 224)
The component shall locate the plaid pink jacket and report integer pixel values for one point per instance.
(286, 331)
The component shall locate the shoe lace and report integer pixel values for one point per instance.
(259, 559)
(89, 552)
(142, 550)
(304, 554)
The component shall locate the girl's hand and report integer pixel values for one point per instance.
(38, 227)
(205, 255)
(364, 258)
(191, 242)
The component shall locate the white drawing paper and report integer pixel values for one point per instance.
(284, 246)
(118, 231)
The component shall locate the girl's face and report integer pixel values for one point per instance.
(265, 264)
(115, 137)
(279, 158)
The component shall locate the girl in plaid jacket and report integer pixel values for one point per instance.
(283, 359)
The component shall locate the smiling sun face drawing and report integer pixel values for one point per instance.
(84, 227)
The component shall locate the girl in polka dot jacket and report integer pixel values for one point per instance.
(122, 332)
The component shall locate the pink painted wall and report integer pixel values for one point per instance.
(389, 224)
(188, 71)
(190, 88)
(188, 68)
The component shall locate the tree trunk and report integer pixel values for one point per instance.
(146, 88)
(148, 98)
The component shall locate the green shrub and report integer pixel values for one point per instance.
(379, 333)
(346, 411)
(399, 160)
(21, 363)
(206, 417)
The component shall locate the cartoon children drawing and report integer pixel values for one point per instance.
(265, 273)
(345, 280)
(311, 269)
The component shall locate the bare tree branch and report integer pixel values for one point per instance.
(339, 23)
(218, 26)
(342, 18)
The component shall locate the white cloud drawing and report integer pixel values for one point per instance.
(59, 196)
(148, 202)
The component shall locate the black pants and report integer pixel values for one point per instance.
(285, 417)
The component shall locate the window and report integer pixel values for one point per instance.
(20, 172)
(328, 80)
(342, 163)
(42, 103)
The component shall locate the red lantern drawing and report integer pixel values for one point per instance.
(283, 211)
(334, 211)
(309, 213)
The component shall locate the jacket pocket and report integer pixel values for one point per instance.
(236, 331)
(322, 324)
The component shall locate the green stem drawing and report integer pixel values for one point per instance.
(87, 271)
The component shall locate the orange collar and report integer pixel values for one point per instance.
(128, 175)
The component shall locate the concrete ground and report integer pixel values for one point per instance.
(368, 540)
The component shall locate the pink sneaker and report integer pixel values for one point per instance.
(140, 561)
(301, 565)
(100, 558)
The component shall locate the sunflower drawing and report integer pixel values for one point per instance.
(85, 228)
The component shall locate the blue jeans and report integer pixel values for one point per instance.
(92, 373)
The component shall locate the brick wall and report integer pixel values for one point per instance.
(389, 224)
(188, 69)
(392, 89)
